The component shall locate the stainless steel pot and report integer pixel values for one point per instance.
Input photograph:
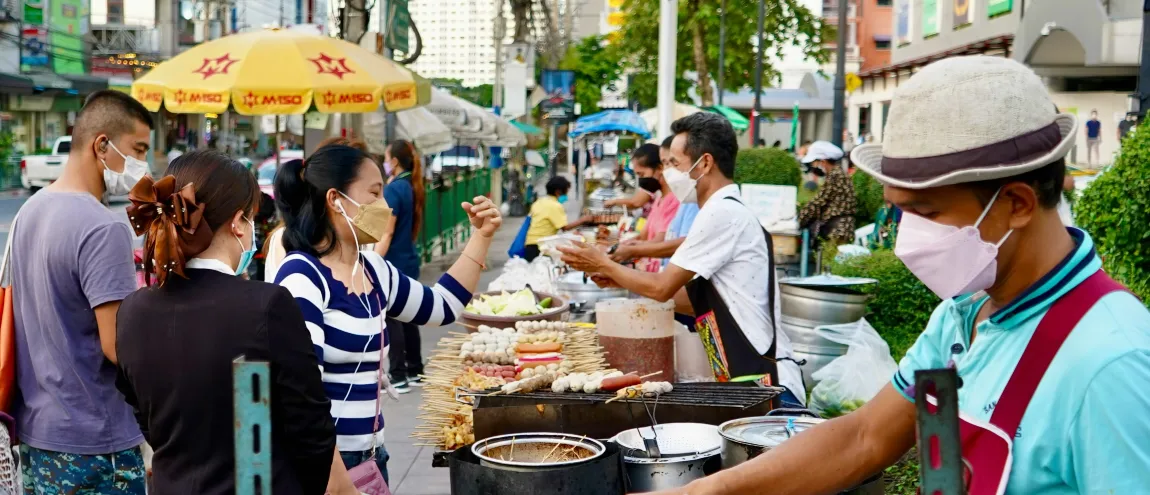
(806, 307)
(534, 451)
(746, 438)
(686, 452)
(581, 295)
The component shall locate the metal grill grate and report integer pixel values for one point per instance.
(736, 395)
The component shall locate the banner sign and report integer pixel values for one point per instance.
(34, 47)
(998, 7)
(930, 18)
(559, 105)
(963, 10)
(902, 22)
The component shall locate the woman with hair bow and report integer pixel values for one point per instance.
(177, 339)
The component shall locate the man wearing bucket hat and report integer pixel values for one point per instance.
(1052, 355)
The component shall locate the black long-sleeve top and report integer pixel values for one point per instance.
(175, 346)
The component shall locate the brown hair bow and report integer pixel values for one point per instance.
(171, 222)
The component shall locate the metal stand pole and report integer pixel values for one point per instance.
(668, 27)
(553, 143)
(1144, 66)
(840, 77)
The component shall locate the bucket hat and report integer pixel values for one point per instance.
(967, 119)
(823, 150)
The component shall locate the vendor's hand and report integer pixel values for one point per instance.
(585, 219)
(588, 259)
(625, 251)
(604, 281)
(483, 215)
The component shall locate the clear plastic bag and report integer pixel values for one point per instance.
(854, 378)
(518, 274)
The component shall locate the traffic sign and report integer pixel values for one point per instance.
(853, 82)
(398, 25)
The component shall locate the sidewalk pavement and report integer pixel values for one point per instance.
(409, 469)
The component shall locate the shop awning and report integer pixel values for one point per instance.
(527, 128)
(619, 121)
(738, 121)
(50, 82)
(85, 84)
(16, 85)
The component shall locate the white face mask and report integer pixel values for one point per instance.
(681, 183)
(121, 183)
(949, 260)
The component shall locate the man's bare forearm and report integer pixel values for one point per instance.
(662, 249)
(645, 284)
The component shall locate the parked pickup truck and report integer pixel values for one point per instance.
(37, 171)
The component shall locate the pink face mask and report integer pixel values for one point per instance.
(949, 260)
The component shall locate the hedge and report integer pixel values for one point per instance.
(1115, 209)
(766, 166)
(868, 198)
(900, 306)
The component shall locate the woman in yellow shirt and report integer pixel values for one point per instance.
(548, 216)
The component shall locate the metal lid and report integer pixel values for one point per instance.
(827, 281)
(765, 431)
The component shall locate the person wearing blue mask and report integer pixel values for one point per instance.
(177, 339)
(548, 217)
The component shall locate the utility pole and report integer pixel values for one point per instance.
(499, 31)
(756, 113)
(668, 26)
(840, 77)
(386, 17)
(1144, 65)
(723, 46)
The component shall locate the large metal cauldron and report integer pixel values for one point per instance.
(582, 295)
(806, 307)
(602, 475)
(747, 438)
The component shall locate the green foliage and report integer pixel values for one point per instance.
(1114, 210)
(868, 198)
(901, 305)
(902, 478)
(597, 67)
(482, 95)
(766, 166)
(787, 23)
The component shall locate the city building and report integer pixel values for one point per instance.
(1087, 51)
(874, 33)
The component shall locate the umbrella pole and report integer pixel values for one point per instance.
(277, 142)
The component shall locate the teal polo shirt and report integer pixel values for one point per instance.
(1087, 429)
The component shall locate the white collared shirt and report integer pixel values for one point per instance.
(210, 264)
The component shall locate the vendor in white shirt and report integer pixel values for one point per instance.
(723, 273)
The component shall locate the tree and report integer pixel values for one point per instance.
(787, 23)
(596, 67)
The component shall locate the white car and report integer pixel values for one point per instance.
(38, 171)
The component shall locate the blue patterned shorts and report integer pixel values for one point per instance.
(56, 473)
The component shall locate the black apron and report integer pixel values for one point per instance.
(730, 354)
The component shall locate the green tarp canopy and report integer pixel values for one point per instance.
(738, 121)
(527, 128)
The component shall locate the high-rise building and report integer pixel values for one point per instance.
(874, 33)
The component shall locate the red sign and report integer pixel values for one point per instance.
(252, 100)
(213, 66)
(325, 64)
(330, 98)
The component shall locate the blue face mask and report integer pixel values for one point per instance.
(248, 254)
(562, 199)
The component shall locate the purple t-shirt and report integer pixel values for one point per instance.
(69, 255)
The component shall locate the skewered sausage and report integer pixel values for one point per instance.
(618, 382)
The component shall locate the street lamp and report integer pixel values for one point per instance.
(840, 77)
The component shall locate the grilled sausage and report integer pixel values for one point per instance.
(618, 382)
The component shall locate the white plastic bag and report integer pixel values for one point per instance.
(691, 362)
(518, 274)
(846, 383)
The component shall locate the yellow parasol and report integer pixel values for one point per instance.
(280, 72)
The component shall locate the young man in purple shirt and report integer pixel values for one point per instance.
(71, 266)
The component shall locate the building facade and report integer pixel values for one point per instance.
(1087, 51)
(874, 33)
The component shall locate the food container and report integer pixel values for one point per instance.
(746, 438)
(536, 451)
(687, 452)
(583, 295)
(557, 312)
(638, 335)
(810, 302)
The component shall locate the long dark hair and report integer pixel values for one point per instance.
(405, 153)
(222, 187)
(301, 188)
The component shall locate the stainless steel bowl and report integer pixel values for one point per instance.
(535, 451)
(687, 452)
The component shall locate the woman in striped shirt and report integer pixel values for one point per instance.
(333, 205)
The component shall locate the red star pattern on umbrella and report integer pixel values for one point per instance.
(250, 99)
(328, 98)
(213, 66)
(325, 64)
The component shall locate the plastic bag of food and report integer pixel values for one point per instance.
(852, 379)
